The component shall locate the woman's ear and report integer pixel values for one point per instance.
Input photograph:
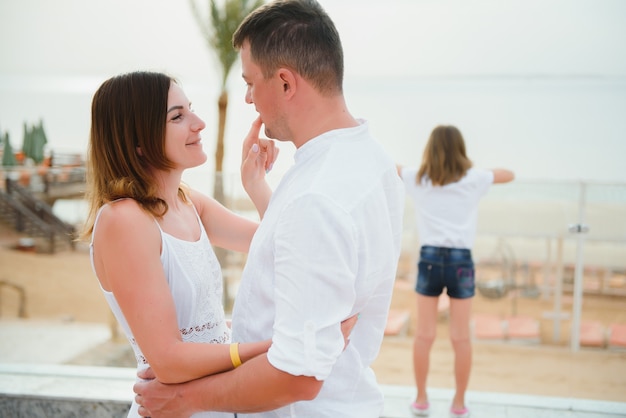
(138, 150)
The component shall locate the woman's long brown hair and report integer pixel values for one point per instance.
(128, 114)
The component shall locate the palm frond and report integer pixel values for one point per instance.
(219, 26)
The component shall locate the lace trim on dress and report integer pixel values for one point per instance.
(206, 334)
(138, 355)
(198, 328)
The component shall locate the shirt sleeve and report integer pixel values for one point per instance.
(408, 175)
(484, 180)
(315, 269)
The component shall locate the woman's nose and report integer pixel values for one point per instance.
(199, 124)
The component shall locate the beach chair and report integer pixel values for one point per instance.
(592, 334)
(397, 323)
(487, 327)
(522, 329)
(617, 337)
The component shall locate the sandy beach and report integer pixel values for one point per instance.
(62, 287)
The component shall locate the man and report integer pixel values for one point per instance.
(328, 243)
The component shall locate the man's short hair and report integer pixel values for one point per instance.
(296, 34)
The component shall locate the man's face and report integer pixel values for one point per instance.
(265, 94)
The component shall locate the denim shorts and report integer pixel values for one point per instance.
(441, 267)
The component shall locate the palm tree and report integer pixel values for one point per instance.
(218, 30)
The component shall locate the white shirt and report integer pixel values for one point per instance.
(326, 249)
(447, 215)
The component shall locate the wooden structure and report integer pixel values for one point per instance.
(27, 195)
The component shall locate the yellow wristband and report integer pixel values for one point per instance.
(234, 355)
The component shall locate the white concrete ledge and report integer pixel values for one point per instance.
(494, 404)
(65, 381)
(34, 390)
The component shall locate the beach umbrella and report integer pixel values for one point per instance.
(35, 140)
(27, 142)
(39, 141)
(8, 157)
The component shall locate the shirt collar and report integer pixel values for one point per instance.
(320, 142)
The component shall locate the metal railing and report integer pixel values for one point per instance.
(558, 228)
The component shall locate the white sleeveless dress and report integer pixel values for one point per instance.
(194, 277)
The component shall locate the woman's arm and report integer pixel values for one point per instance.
(257, 158)
(127, 248)
(225, 228)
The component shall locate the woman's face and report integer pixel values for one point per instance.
(183, 145)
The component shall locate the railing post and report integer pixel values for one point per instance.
(51, 239)
(21, 313)
(581, 229)
(19, 222)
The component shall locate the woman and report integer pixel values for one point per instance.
(152, 237)
(446, 191)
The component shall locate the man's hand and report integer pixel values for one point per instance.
(157, 400)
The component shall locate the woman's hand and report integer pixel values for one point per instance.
(258, 155)
(346, 328)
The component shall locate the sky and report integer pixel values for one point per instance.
(391, 37)
(48, 47)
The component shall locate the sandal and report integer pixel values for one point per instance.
(459, 413)
(420, 409)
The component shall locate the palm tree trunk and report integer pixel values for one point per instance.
(218, 188)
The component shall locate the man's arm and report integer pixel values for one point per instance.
(255, 386)
(182, 400)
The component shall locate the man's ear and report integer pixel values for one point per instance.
(288, 79)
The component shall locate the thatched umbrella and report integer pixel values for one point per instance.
(27, 142)
(8, 157)
(39, 142)
(35, 140)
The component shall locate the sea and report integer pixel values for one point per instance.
(554, 132)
